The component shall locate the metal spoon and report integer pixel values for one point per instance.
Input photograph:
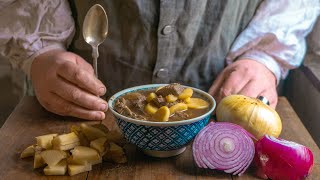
(95, 30)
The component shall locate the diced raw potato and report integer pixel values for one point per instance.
(151, 96)
(186, 93)
(83, 153)
(162, 114)
(75, 129)
(58, 169)
(99, 144)
(171, 98)
(150, 109)
(29, 151)
(82, 158)
(115, 154)
(84, 141)
(71, 160)
(116, 137)
(102, 127)
(99, 161)
(92, 133)
(53, 157)
(66, 147)
(38, 148)
(187, 100)
(197, 103)
(38, 161)
(45, 140)
(65, 139)
(74, 169)
(178, 107)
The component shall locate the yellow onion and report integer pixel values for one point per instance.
(251, 114)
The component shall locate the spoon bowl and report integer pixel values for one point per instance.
(95, 30)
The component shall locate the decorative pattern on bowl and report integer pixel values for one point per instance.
(161, 138)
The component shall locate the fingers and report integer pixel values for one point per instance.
(233, 83)
(214, 89)
(74, 94)
(272, 97)
(251, 89)
(81, 78)
(79, 61)
(62, 107)
(228, 82)
(84, 64)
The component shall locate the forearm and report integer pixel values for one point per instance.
(276, 35)
(30, 28)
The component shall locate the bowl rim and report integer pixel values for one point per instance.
(163, 124)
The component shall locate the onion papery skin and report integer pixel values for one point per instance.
(279, 159)
(251, 114)
(223, 146)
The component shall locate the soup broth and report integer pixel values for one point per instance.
(146, 104)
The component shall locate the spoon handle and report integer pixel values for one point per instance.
(95, 55)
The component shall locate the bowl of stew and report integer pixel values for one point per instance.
(161, 119)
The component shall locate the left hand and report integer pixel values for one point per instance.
(246, 77)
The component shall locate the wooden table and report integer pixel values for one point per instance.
(29, 120)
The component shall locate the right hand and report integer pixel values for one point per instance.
(65, 84)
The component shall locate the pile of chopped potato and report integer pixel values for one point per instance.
(184, 101)
(77, 151)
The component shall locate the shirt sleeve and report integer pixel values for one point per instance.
(29, 28)
(276, 36)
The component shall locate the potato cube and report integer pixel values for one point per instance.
(116, 137)
(66, 147)
(99, 144)
(58, 169)
(197, 103)
(71, 160)
(186, 93)
(171, 98)
(92, 133)
(99, 161)
(84, 141)
(29, 151)
(38, 161)
(65, 139)
(53, 157)
(162, 114)
(83, 153)
(74, 169)
(102, 127)
(151, 96)
(45, 140)
(178, 107)
(115, 154)
(150, 109)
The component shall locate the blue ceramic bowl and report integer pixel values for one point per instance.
(161, 139)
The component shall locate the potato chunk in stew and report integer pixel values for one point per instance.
(167, 103)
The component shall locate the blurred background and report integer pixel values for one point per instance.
(302, 87)
(12, 88)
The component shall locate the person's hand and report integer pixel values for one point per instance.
(65, 84)
(246, 77)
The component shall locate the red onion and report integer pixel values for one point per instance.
(223, 146)
(280, 159)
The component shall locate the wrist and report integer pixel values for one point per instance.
(39, 54)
